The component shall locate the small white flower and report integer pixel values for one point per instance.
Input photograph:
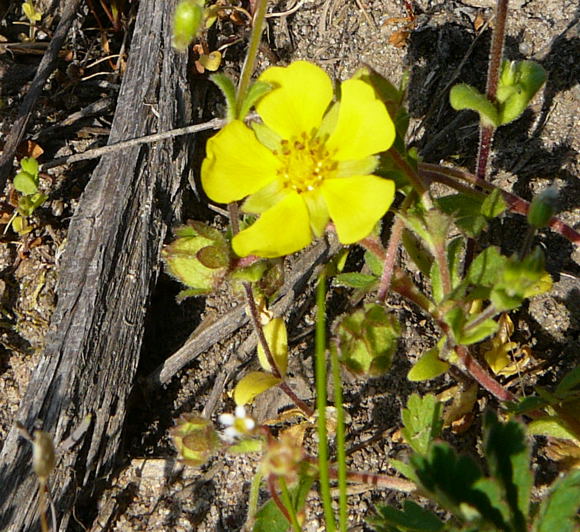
(237, 426)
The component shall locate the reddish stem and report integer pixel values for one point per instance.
(276, 497)
(515, 204)
(390, 257)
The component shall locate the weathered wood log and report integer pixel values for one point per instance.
(108, 270)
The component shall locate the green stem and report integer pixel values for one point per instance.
(250, 61)
(340, 442)
(320, 353)
(254, 498)
(289, 506)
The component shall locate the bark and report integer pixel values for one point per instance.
(108, 270)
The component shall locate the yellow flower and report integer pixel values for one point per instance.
(308, 162)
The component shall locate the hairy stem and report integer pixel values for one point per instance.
(415, 179)
(390, 257)
(449, 176)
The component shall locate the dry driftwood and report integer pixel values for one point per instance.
(110, 265)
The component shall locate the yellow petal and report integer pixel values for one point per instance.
(364, 126)
(281, 230)
(356, 204)
(297, 104)
(236, 164)
(277, 339)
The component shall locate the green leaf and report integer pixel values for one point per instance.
(253, 384)
(30, 165)
(375, 264)
(404, 469)
(559, 511)
(487, 267)
(412, 518)
(428, 366)
(368, 340)
(518, 83)
(226, 85)
(258, 90)
(466, 213)
(493, 205)
(436, 283)
(463, 335)
(25, 183)
(355, 280)
(569, 384)
(417, 252)
(422, 422)
(454, 254)
(508, 459)
(465, 96)
(269, 518)
(550, 426)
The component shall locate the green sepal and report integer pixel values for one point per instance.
(422, 258)
(256, 91)
(228, 89)
(542, 208)
(375, 264)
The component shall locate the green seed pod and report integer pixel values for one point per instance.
(186, 23)
(542, 208)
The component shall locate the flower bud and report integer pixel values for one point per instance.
(186, 23)
(195, 439)
(542, 208)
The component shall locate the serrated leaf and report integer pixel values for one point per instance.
(429, 366)
(559, 511)
(508, 459)
(422, 422)
(493, 205)
(411, 518)
(226, 85)
(487, 267)
(277, 340)
(465, 96)
(253, 384)
(257, 91)
(355, 280)
(404, 469)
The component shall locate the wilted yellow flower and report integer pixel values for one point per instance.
(308, 163)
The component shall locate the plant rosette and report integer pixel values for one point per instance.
(309, 162)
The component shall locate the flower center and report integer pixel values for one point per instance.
(306, 163)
